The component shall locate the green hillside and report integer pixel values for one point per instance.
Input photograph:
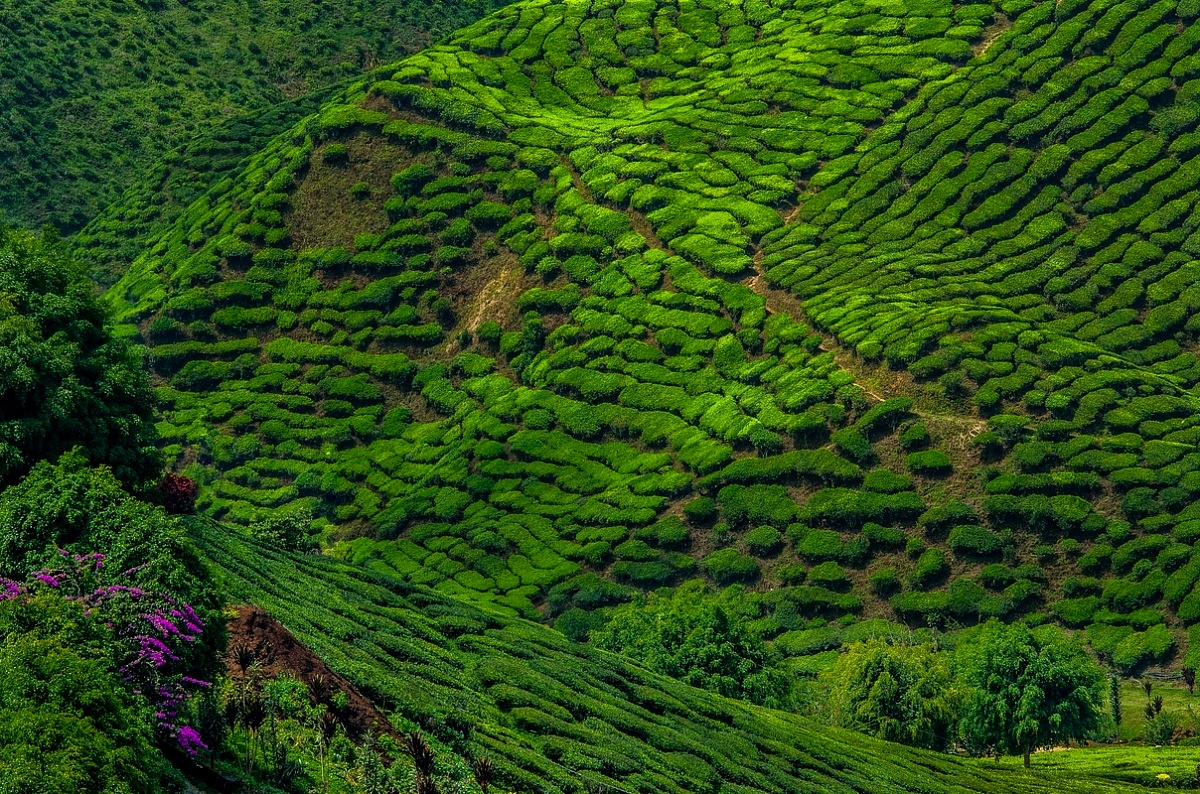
(883, 309)
(148, 207)
(560, 717)
(95, 93)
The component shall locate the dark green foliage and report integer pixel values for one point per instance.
(1031, 689)
(974, 540)
(728, 565)
(763, 541)
(931, 567)
(644, 716)
(899, 693)
(71, 506)
(152, 74)
(693, 637)
(700, 509)
(67, 722)
(290, 529)
(757, 503)
(929, 462)
(64, 381)
(854, 445)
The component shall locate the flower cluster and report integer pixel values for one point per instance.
(150, 630)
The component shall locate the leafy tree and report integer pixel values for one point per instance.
(289, 529)
(68, 725)
(64, 380)
(699, 638)
(1030, 689)
(902, 693)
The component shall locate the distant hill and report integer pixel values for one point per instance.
(885, 310)
(95, 93)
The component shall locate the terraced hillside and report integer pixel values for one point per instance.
(879, 308)
(159, 196)
(95, 93)
(560, 717)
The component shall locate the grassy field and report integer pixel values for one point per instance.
(1176, 700)
(1131, 763)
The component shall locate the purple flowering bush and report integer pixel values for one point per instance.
(149, 634)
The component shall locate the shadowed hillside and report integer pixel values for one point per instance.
(95, 93)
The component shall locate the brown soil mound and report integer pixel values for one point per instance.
(277, 651)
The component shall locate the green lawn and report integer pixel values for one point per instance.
(1176, 699)
(1131, 763)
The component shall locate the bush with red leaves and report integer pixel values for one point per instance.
(177, 494)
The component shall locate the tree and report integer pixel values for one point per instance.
(1029, 689)
(902, 693)
(699, 638)
(289, 528)
(64, 380)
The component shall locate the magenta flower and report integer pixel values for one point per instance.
(189, 739)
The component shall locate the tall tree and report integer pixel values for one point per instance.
(902, 693)
(1029, 689)
(64, 380)
(699, 638)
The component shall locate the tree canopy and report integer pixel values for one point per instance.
(68, 724)
(64, 380)
(902, 693)
(1029, 689)
(696, 637)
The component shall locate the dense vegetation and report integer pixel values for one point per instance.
(336, 327)
(64, 381)
(96, 92)
(658, 378)
(558, 716)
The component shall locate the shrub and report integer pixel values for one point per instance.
(885, 537)
(974, 540)
(915, 437)
(929, 462)
(884, 581)
(335, 154)
(177, 494)
(941, 517)
(828, 574)
(769, 504)
(931, 566)
(854, 445)
(700, 510)
(821, 544)
(728, 565)
(884, 481)
(763, 541)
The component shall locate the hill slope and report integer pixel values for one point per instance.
(97, 92)
(906, 287)
(561, 717)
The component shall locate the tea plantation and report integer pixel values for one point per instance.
(95, 93)
(884, 310)
(561, 717)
